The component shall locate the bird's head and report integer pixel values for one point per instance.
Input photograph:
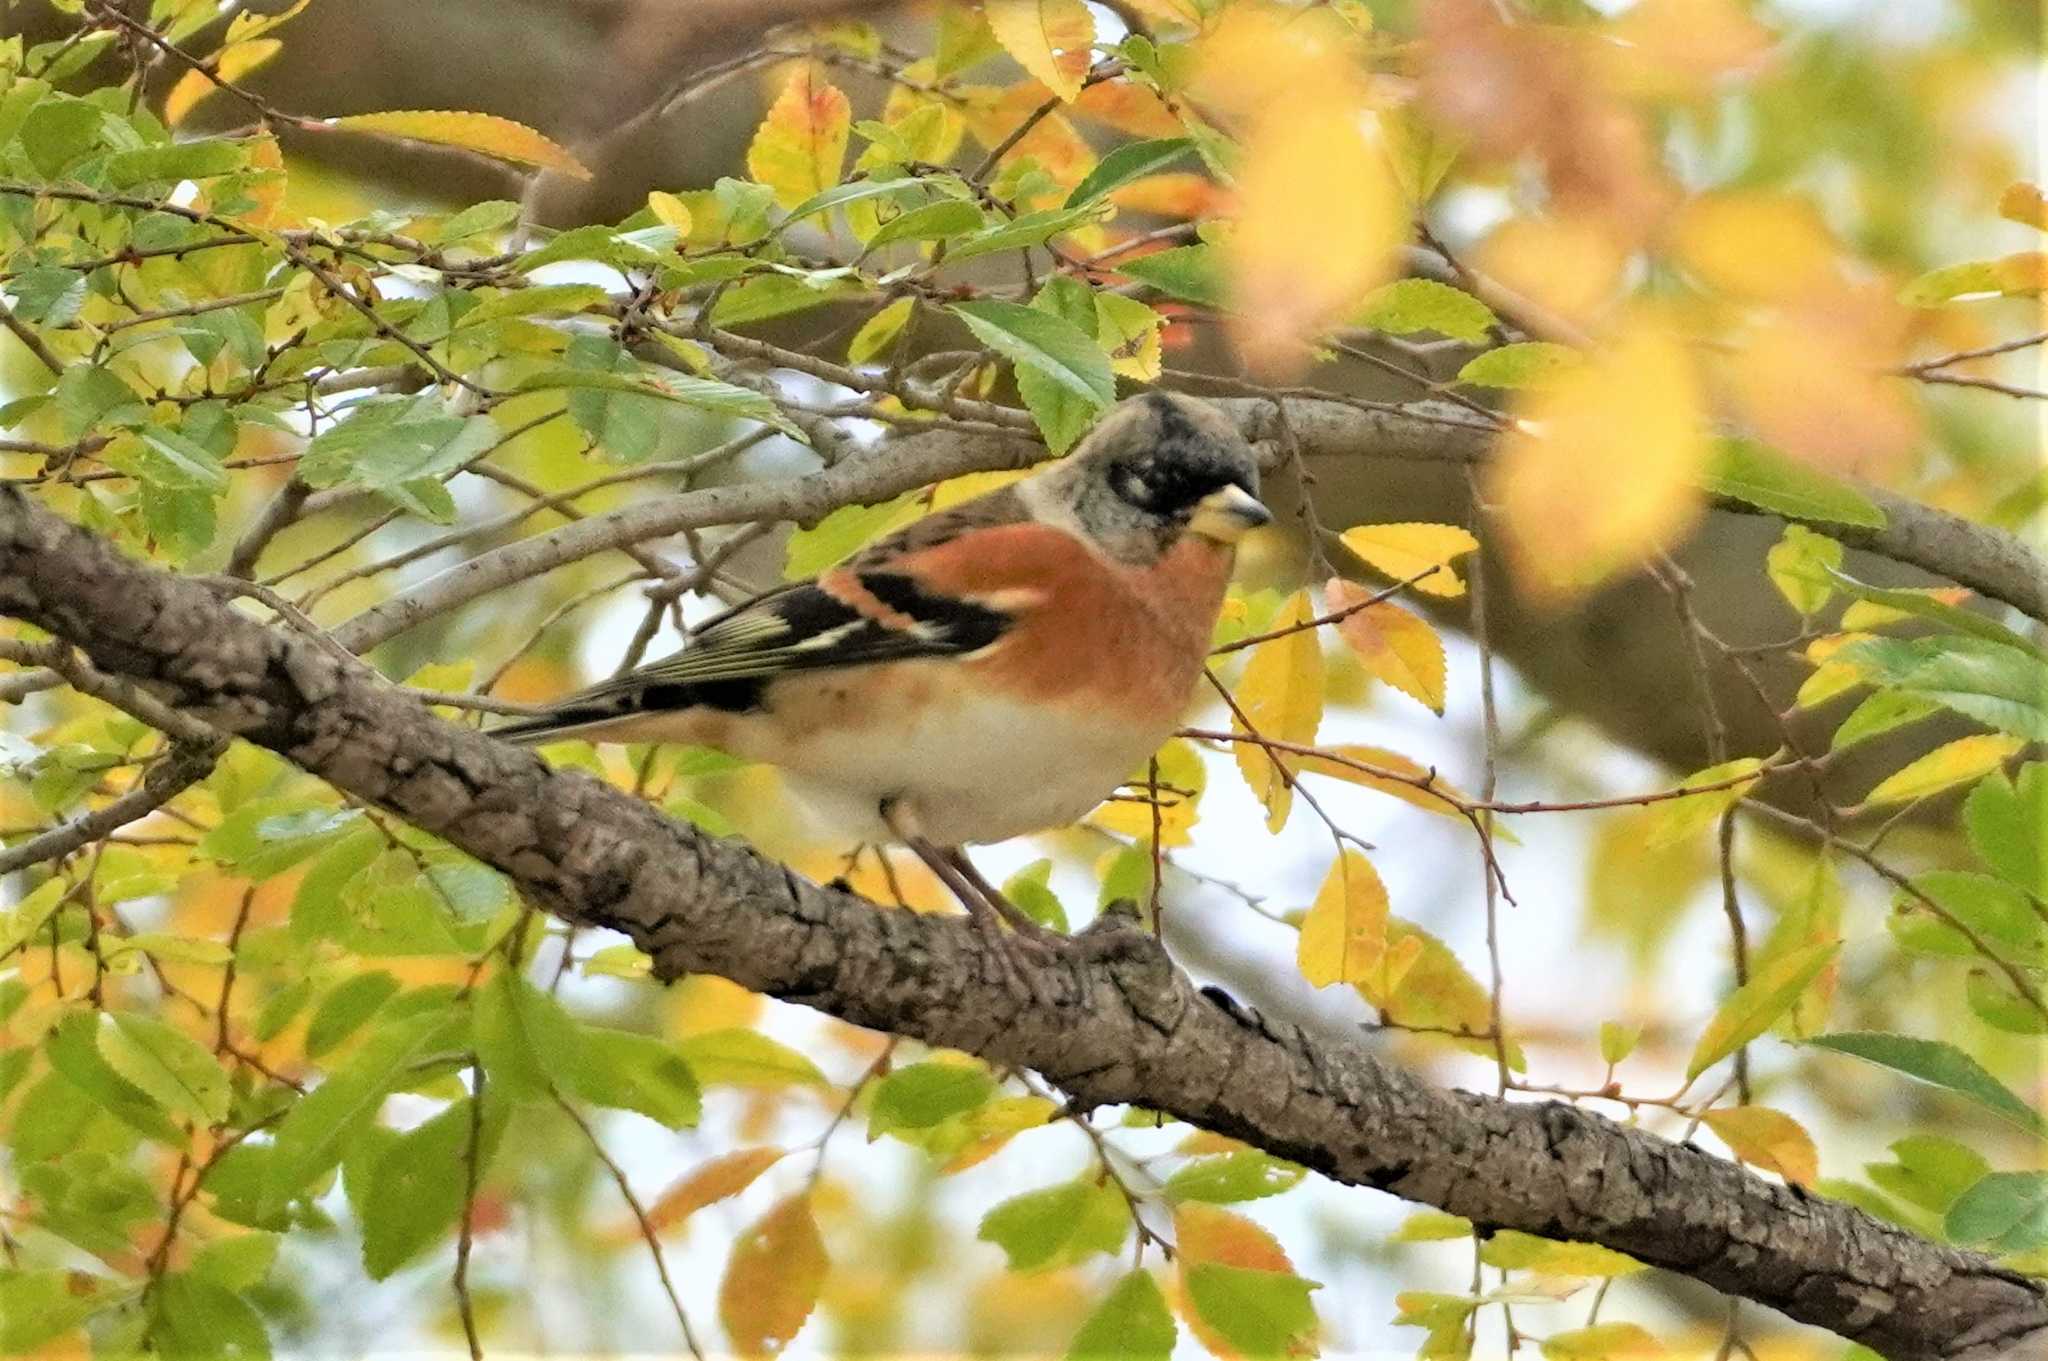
(1158, 467)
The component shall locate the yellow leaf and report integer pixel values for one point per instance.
(1281, 694)
(1755, 245)
(481, 132)
(1347, 761)
(236, 60)
(1603, 466)
(722, 1177)
(1830, 678)
(1321, 224)
(1404, 551)
(1751, 1009)
(967, 486)
(1049, 38)
(1953, 763)
(879, 331)
(1344, 934)
(1603, 1342)
(1721, 788)
(801, 144)
(1571, 267)
(1420, 982)
(2023, 203)
(772, 1279)
(670, 211)
(1514, 1251)
(1129, 331)
(1395, 646)
(1181, 777)
(1770, 1139)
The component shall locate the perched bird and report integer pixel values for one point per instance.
(991, 670)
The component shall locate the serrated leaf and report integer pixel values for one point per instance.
(309, 1139)
(1525, 364)
(525, 1039)
(1940, 1064)
(1190, 273)
(1343, 760)
(234, 61)
(417, 1186)
(773, 1279)
(746, 1058)
(1280, 695)
(1131, 161)
(169, 1065)
(1044, 343)
(2007, 822)
(1752, 1008)
(1952, 763)
(1131, 1324)
(1257, 1313)
(2002, 687)
(1929, 1171)
(1402, 551)
(1880, 713)
(1768, 1138)
(949, 217)
(480, 132)
(345, 1008)
(1344, 935)
(1407, 306)
(1759, 475)
(1393, 645)
(632, 1072)
(1246, 1174)
(1062, 415)
(1049, 38)
(2006, 1211)
(800, 147)
(924, 1094)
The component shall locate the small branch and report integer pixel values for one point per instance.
(177, 771)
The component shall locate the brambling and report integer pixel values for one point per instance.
(991, 670)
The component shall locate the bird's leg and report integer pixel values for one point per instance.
(1020, 921)
(1020, 950)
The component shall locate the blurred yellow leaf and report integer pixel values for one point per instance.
(1602, 467)
(1345, 932)
(1812, 383)
(772, 1279)
(481, 132)
(1603, 1342)
(1321, 224)
(1281, 694)
(1568, 266)
(1770, 1139)
(1755, 245)
(879, 331)
(2024, 203)
(1334, 762)
(1403, 551)
(800, 146)
(1634, 891)
(1721, 788)
(722, 1177)
(1397, 647)
(1952, 763)
(1049, 38)
(236, 60)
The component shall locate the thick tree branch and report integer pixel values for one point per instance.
(1129, 1026)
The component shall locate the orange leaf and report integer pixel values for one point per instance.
(1403, 551)
(1602, 467)
(480, 132)
(1770, 1139)
(773, 1279)
(2023, 203)
(721, 1177)
(801, 145)
(1344, 935)
(1206, 1233)
(236, 60)
(1049, 38)
(1281, 694)
(1395, 646)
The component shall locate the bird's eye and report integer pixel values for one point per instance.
(1134, 489)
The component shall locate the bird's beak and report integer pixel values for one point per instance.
(1228, 515)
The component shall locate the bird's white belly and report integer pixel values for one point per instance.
(968, 769)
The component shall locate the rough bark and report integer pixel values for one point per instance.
(1126, 1025)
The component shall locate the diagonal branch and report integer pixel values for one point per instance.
(1127, 1026)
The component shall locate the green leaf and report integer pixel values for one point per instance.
(1524, 364)
(1245, 1174)
(1801, 565)
(1131, 161)
(844, 532)
(1057, 1224)
(489, 216)
(630, 1072)
(2005, 1211)
(1940, 1064)
(1759, 475)
(841, 194)
(168, 1064)
(525, 1039)
(47, 295)
(1062, 415)
(177, 161)
(179, 462)
(1721, 788)
(1997, 912)
(73, 1050)
(2007, 822)
(2003, 687)
(705, 394)
(389, 441)
(1921, 605)
(1021, 233)
(2014, 275)
(1880, 713)
(1029, 893)
(561, 299)
(342, 1011)
(933, 222)
(265, 837)
(924, 1094)
(1751, 1008)
(1928, 1171)
(59, 130)
(238, 1263)
(36, 1306)
(1190, 273)
(310, 1138)
(1043, 343)
(194, 1317)
(1259, 1313)
(1132, 1324)
(746, 1058)
(1406, 306)
(416, 1188)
